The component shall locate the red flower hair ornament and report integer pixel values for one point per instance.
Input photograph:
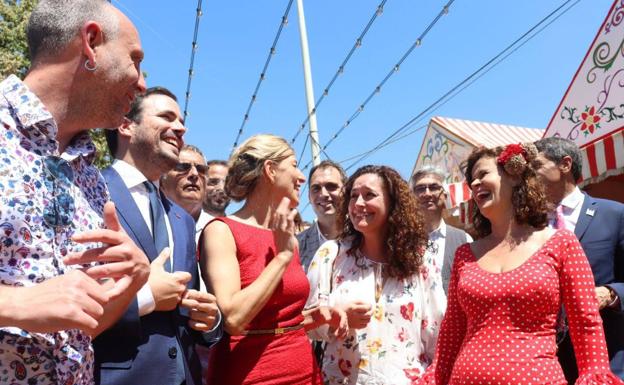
(516, 157)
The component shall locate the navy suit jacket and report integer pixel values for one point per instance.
(143, 350)
(600, 229)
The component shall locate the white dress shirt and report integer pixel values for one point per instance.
(202, 221)
(134, 179)
(438, 237)
(571, 209)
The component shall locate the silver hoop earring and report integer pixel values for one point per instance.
(90, 69)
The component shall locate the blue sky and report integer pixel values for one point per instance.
(235, 37)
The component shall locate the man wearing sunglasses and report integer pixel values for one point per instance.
(54, 213)
(185, 184)
(428, 186)
(154, 343)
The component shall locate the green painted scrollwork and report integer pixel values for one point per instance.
(603, 59)
(569, 113)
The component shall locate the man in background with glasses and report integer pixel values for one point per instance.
(428, 186)
(154, 342)
(54, 213)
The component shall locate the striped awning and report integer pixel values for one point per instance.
(457, 193)
(488, 134)
(458, 201)
(603, 158)
(466, 211)
(591, 112)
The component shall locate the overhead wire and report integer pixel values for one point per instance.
(395, 69)
(387, 144)
(192, 64)
(303, 149)
(262, 77)
(461, 86)
(136, 17)
(341, 68)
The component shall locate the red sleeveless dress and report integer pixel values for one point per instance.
(265, 358)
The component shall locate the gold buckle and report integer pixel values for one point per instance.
(279, 331)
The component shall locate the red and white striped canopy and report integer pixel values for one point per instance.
(457, 193)
(591, 112)
(603, 158)
(488, 134)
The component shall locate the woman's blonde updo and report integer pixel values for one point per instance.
(246, 162)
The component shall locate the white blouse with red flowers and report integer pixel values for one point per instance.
(399, 342)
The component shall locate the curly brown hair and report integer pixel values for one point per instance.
(406, 239)
(527, 198)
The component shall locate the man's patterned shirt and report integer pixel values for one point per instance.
(31, 251)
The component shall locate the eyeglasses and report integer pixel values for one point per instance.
(186, 167)
(58, 178)
(434, 188)
(215, 181)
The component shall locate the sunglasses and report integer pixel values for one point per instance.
(434, 188)
(58, 178)
(186, 167)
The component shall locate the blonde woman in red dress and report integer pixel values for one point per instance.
(506, 288)
(251, 261)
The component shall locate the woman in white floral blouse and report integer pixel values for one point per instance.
(381, 274)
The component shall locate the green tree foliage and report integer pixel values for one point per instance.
(14, 16)
(103, 158)
(14, 58)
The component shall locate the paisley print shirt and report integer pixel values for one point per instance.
(36, 183)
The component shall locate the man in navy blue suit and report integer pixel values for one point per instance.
(599, 226)
(154, 342)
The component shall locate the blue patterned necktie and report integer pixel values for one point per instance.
(159, 227)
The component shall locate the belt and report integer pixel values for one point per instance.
(276, 331)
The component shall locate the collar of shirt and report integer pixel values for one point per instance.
(133, 179)
(129, 174)
(81, 146)
(202, 221)
(321, 237)
(440, 232)
(36, 121)
(572, 200)
(38, 125)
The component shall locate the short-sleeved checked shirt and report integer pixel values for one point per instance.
(31, 251)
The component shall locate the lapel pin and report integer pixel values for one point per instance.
(178, 215)
(590, 212)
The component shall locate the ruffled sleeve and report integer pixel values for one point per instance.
(320, 277)
(433, 306)
(452, 331)
(584, 322)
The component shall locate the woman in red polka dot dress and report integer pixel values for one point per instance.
(506, 288)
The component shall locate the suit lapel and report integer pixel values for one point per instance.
(129, 213)
(181, 261)
(175, 222)
(589, 205)
(316, 236)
